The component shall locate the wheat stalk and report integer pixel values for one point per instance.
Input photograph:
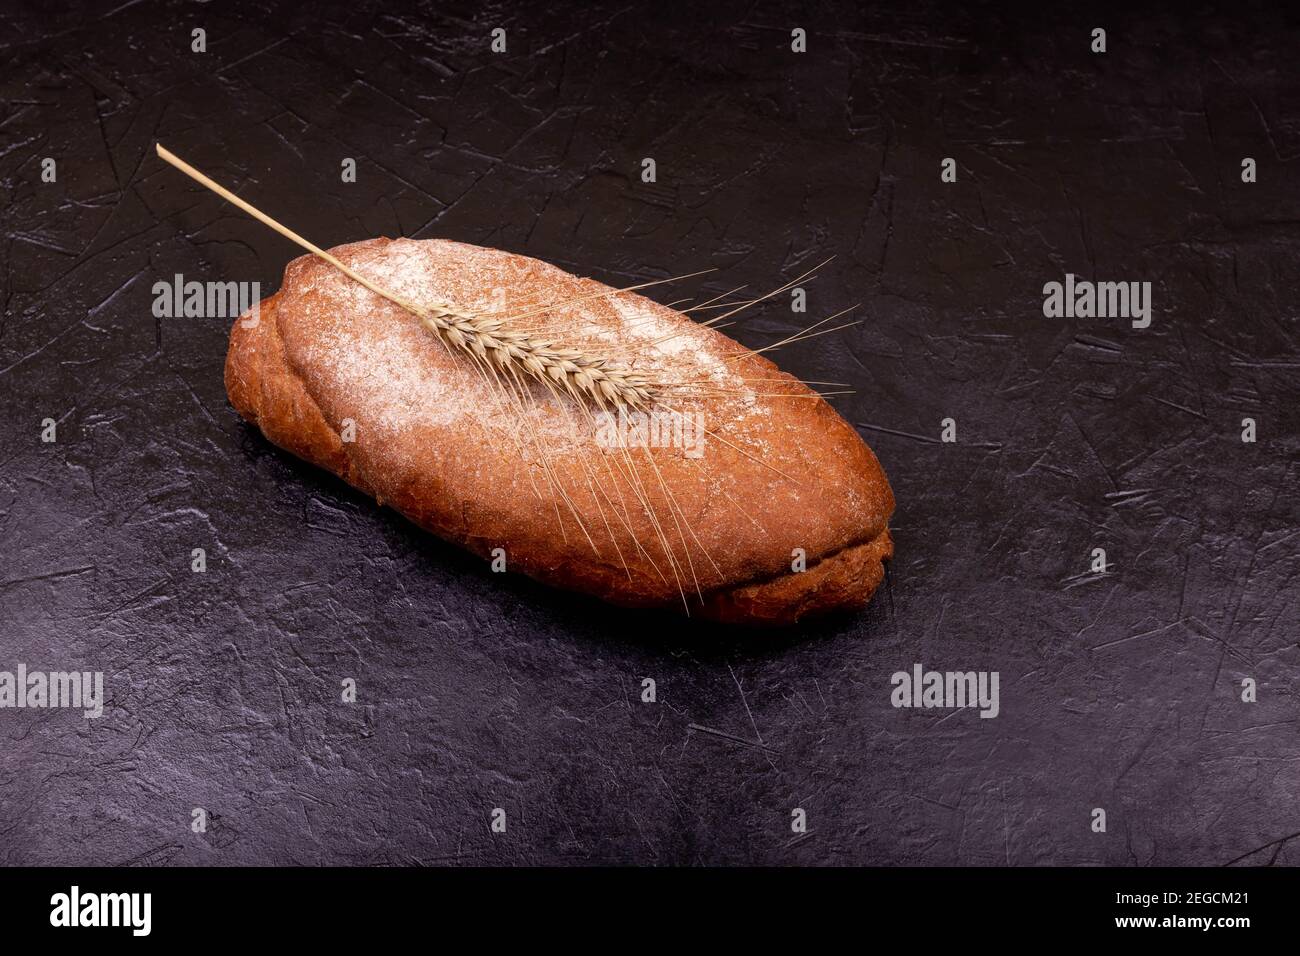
(580, 374)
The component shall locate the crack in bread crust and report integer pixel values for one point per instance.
(844, 580)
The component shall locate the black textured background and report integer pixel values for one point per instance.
(1118, 691)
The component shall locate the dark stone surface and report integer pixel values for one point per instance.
(1119, 691)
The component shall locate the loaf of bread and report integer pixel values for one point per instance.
(738, 495)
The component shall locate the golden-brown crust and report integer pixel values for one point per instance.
(267, 393)
(437, 440)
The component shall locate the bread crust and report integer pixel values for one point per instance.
(443, 444)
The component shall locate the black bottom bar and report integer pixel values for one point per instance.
(334, 906)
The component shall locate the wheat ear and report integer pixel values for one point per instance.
(583, 376)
